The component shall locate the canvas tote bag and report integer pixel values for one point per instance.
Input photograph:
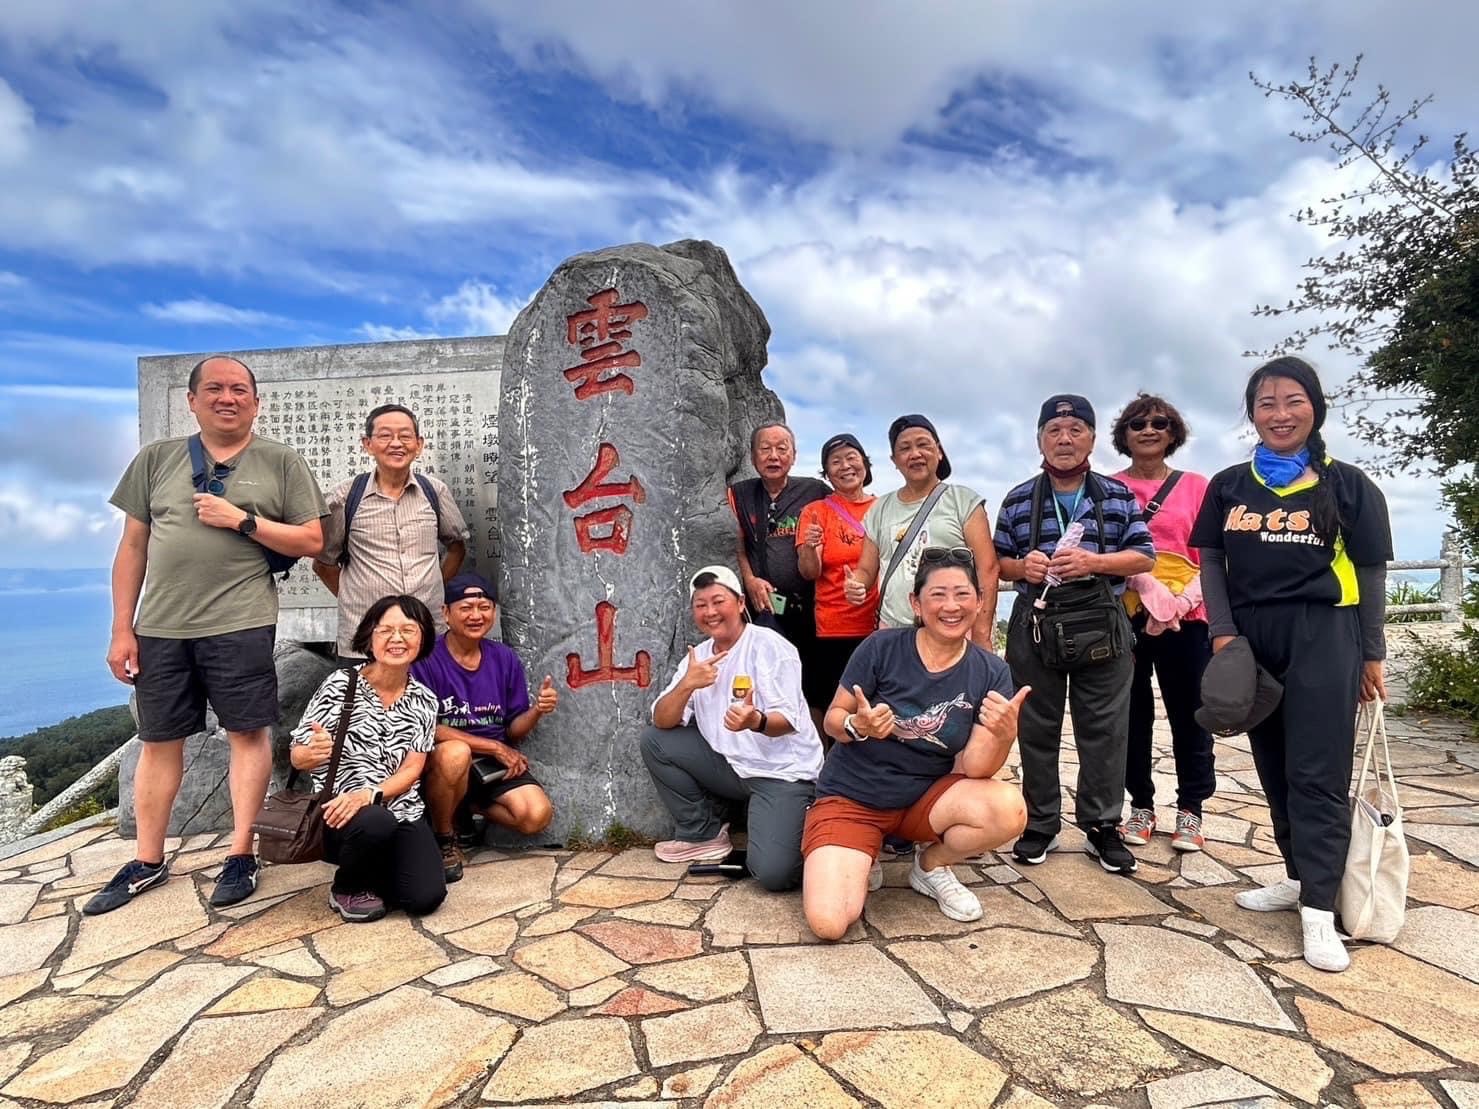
(1373, 893)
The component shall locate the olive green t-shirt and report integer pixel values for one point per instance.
(202, 580)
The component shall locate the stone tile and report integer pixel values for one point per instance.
(304, 914)
(211, 1061)
(586, 860)
(1277, 933)
(595, 993)
(560, 920)
(745, 913)
(678, 914)
(1458, 785)
(12, 1058)
(991, 967)
(1282, 1062)
(959, 1019)
(130, 974)
(463, 971)
(690, 1083)
(1025, 1099)
(363, 1056)
(1365, 1041)
(1445, 937)
(15, 986)
(1190, 927)
(862, 989)
(643, 1087)
(1460, 842)
(294, 959)
(1029, 891)
(46, 1013)
(1203, 870)
(615, 893)
(201, 937)
(693, 891)
(780, 1076)
(1205, 1087)
(265, 994)
(375, 958)
(1002, 874)
(1405, 1093)
(16, 900)
(1465, 813)
(55, 850)
(1231, 854)
(911, 1069)
(46, 910)
(94, 864)
(640, 944)
(1081, 889)
(568, 960)
(1245, 951)
(1154, 966)
(513, 992)
(1417, 1000)
(493, 937)
(108, 1053)
(640, 862)
(701, 1034)
(706, 978)
(528, 912)
(1073, 1043)
(1463, 1094)
(492, 889)
(562, 1059)
(638, 1002)
(903, 912)
(25, 947)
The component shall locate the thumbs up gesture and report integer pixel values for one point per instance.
(548, 697)
(873, 721)
(854, 590)
(742, 715)
(999, 716)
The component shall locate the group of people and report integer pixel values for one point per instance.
(846, 697)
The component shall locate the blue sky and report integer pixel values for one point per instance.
(988, 201)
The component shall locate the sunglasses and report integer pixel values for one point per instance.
(217, 483)
(1158, 423)
(956, 556)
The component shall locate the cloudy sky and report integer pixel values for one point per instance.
(951, 207)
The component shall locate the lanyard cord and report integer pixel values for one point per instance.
(1072, 511)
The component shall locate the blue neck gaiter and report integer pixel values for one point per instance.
(1278, 470)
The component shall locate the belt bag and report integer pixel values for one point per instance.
(1081, 625)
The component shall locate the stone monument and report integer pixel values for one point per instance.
(16, 795)
(630, 387)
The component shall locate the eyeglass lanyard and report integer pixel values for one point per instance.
(1072, 512)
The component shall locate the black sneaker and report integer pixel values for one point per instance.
(237, 881)
(1104, 843)
(1033, 847)
(130, 881)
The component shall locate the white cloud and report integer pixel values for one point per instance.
(199, 311)
(45, 520)
(476, 308)
(17, 122)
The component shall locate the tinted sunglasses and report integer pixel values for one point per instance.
(217, 483)
(955, 556)
(1158, 423)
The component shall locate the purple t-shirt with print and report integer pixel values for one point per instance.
(481, 702)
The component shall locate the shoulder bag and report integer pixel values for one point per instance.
(1373, 891)
(915, 525)
(1079, 623)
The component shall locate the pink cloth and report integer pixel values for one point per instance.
(1164, 609)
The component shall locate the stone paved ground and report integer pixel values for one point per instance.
(554, 977)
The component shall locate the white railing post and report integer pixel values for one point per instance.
(1451, 577)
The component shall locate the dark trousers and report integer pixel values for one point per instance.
(1099, 698)
(1177, 659)
(1303, 751)
(694, 781)
(379, 854)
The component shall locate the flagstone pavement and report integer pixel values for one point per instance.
(590, 978)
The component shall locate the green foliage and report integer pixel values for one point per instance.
(1402, 592)
(88, 806)
(56, 756)
(1446, 678)
(617, 837)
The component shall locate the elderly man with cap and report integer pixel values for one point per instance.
(483, 714)
(1069, 637)
(732, 726)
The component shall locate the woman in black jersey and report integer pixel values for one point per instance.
(1294, 548)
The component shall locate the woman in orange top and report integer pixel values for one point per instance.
(829, 542)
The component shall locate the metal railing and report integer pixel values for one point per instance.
(1450, 567)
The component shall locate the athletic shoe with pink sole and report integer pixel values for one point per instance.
(684, 851)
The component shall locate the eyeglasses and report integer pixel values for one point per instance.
(217, 483)
(405, 631)
(1159, 423)
(958, 556)
(383, 438)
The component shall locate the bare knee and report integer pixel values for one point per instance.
(535, 815)
(828, 924)
(451, 759)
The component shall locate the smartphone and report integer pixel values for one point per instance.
(778, 603)
(733, 865)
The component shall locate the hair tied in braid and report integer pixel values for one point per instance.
(1325, 499)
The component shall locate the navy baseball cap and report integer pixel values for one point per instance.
(465, 587)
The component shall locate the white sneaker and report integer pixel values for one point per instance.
(1322, 947)
(955, 901)
(1280, 896)
(875, 876)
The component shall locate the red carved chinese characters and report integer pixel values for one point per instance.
(617, 519)
(639, 674)
(600, 331)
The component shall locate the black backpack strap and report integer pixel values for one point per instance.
(351, 505)
(197, 461)
(1159, 499)
(1095, 489)
(1039, 498)
(431, 495)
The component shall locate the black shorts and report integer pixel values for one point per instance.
(821, 670)
(482, 796)
(234, 672)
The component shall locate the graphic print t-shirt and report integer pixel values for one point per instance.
(888, 521)
(776, 527)
(842, 547)
(1272, 549)
(934, 714)
(481, 702)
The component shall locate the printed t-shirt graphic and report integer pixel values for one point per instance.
(481, 702)
(888, 521)
(770, 533)
(842, 547)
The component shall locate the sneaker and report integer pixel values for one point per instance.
(1188, 836)
(1139, 828)
(237, 882)
(1322, 947)
(875, 876)
(684, 851)
(1033, 847)
(130, 881)
(896, 847)
(452, 858)
(1104, 843)
(1280, 896)
(955, 901)
(357, 908)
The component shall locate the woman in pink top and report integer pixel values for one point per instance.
(1170, 623)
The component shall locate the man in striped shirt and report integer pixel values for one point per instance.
(1116, 543)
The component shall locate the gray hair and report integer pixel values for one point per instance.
(766, 426)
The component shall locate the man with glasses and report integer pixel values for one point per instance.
(385, 528)
(204, 628)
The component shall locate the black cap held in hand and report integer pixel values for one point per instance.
(1237, 693)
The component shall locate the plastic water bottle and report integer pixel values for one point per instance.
(1072, 537)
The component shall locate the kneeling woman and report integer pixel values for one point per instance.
(376, 828)
(911, 700)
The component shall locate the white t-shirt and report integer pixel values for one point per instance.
(775, 671)
(886, 523)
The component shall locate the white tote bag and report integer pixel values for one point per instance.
(1373, 893)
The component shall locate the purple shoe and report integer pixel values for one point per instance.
(357, 908)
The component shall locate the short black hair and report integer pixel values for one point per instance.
(704, 580)
(386, 410)
(196, 369)
(412, 607)
(1147, 404)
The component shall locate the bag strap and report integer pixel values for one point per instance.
(1092, 489)
(197, 461)
(431, 496)
(915, 526)
(847, 517)
(351, 506)
(340, 731)
(1158, 501)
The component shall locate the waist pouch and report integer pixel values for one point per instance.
(1082, 624)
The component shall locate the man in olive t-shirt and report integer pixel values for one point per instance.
(204, 628)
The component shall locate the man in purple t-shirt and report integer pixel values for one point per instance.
(483, 712)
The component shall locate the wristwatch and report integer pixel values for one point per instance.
(849, 729)
(377, 796)
(764, 722)
(247, 526)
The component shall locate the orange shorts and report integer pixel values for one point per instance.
(841, 822)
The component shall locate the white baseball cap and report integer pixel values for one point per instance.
(726, 577)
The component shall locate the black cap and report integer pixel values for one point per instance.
(1065, 404)
(1237, 693)
(903, 423)
(847, 439)
(467, 586)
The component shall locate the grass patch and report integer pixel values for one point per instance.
(616, 837)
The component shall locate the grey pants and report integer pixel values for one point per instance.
(1099, 699)
(693, 780)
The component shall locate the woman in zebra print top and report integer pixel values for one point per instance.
(376, 825)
